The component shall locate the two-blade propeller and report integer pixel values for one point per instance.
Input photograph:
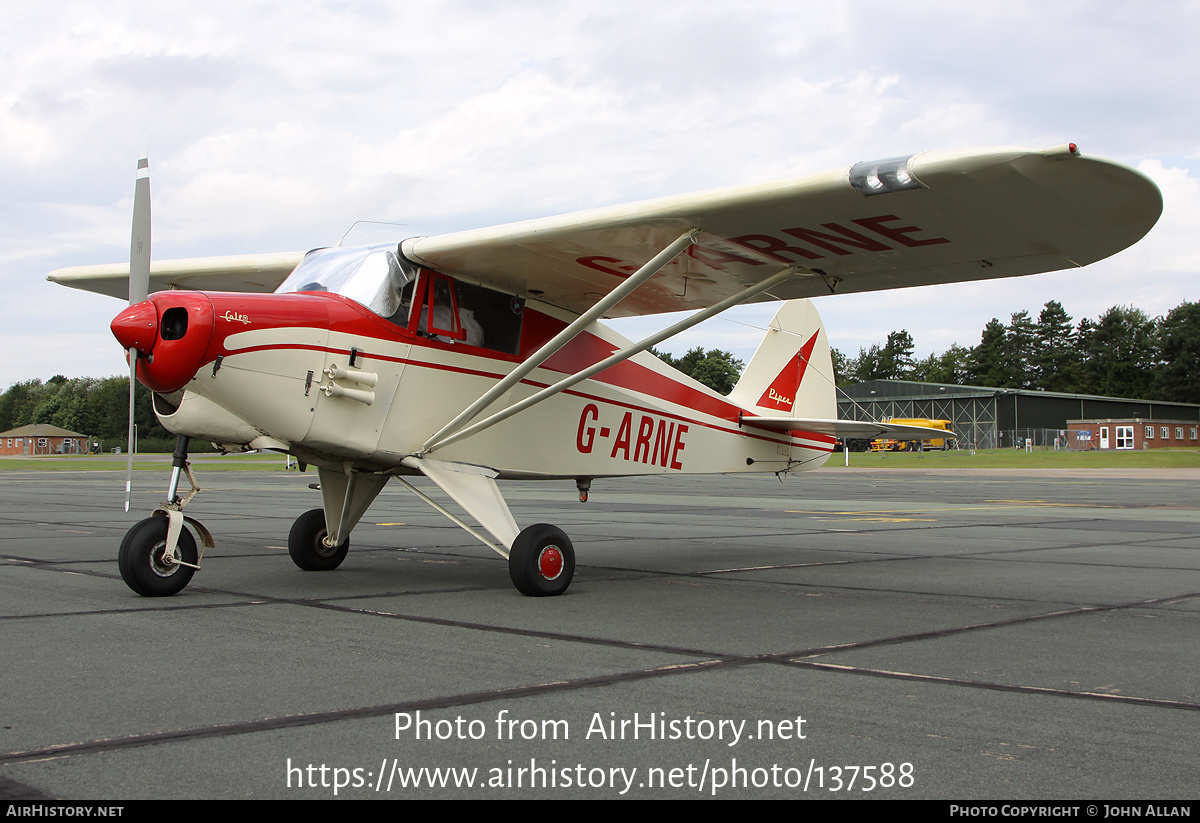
(139, 286)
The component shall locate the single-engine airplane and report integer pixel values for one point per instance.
(479, 355)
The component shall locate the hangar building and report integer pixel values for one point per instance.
(987, 418)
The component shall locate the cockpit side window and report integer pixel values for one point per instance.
(442, 319)
(453, 311)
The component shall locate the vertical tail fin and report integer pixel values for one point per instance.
(791, 373)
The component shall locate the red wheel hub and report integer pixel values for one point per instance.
(550, 562)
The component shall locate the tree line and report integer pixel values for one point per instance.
(1124, 353)
(94, 406)
(715, 368)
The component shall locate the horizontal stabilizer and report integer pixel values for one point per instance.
(856, 429)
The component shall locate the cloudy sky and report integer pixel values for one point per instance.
(276, 126)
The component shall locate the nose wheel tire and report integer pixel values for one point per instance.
(306, 544)
(143, 564)
(541, 562)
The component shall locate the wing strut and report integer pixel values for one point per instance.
(656, 264)
(617, 357)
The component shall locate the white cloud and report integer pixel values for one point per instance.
(274, 126)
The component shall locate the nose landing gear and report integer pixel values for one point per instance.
(158, 555)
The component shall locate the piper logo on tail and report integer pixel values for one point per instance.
(780, 399)
(781, 394)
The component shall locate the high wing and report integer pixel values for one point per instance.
(241, 272)
(933, 217)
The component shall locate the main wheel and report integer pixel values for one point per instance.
(142, 559)
(542, 561)
(306, 544)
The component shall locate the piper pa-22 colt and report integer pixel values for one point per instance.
(478, 356)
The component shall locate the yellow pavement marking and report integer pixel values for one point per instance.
(909, 513)
(1012, 504)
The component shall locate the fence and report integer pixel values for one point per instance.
(1050, 439)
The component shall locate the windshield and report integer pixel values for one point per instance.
(374, 276)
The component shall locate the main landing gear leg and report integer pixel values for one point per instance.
(320, 538)
(309, 543)
(158, 555)
(541, 559)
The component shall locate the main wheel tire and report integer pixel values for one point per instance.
(141, 559)
(306, 544)
(542, 561)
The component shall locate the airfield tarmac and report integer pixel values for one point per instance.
(845, 634)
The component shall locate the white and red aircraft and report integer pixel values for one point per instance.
(478, 356)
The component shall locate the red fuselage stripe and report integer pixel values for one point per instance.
(822, 442)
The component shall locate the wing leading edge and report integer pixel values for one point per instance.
(934, 217)
(242, 272)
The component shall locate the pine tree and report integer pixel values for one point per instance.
(866, 366)
(989, 361)
(1121, 353)
(895, 359)
(1019, 339)
(1055, 360)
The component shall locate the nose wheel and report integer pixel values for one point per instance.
(541, 561)
(158, 556)
(147, 567)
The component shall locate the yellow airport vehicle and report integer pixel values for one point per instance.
(939, 443)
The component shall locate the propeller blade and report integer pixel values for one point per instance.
(139, 244)
(133, 353)
(139, 287)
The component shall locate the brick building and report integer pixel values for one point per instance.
(1132, 433)
(42, 438)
